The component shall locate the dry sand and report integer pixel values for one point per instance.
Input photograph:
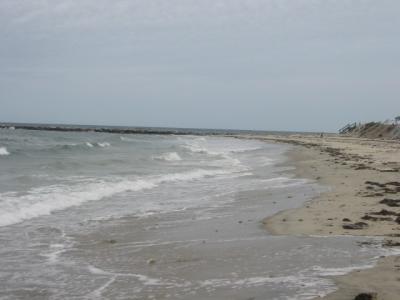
(359, 173)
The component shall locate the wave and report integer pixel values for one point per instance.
(125, 139)
(170, 156)
(103, 145)
(4, 151)
(196, 148)
(341, 271)
(221, 152)
(266, 161)
(75, 146)
(15, 208)
(215, 148)
(188, 176)
(244, 149)
(136, 139)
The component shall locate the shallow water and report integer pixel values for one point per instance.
(103, 216)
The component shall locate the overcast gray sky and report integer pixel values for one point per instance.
(248, 64)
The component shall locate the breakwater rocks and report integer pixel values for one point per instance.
(118, 130)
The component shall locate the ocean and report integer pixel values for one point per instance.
(89, 215)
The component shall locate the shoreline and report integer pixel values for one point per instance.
(359, 174)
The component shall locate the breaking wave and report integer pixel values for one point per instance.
(103, 145)
(4, 151)
(15, 208)
(76, 146)
(200, 145)
(170, 156)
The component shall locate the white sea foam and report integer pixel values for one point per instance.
(195, 148)
(103, 145)
(45, 200)
(4, 151)
(170, 156)
(55, 251)
(219, 146)
(312, 285)
(15, 208)
(187, 176)
(96, 271)
(127, 139)
(340, 271)
(222, 151)
(244, 149)
(266, 161)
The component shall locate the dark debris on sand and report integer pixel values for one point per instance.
(391, 202)
(366, 296)
(355, 226)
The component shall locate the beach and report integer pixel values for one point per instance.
(101, 215)
(360, 174)
(105, 215)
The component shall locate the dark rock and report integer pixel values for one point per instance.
(346, 220)
(355, 226)
(366, 296)
(397, 220)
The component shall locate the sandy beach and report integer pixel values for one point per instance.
(362, 176)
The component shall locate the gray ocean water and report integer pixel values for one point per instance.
(108, 216)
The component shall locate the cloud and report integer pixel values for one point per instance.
(215, 52)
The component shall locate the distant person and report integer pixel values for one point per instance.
(321, 135)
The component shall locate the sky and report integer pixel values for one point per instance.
(300, 65)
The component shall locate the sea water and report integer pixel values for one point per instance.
(108, 216)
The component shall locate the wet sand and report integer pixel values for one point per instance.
(360, 174)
